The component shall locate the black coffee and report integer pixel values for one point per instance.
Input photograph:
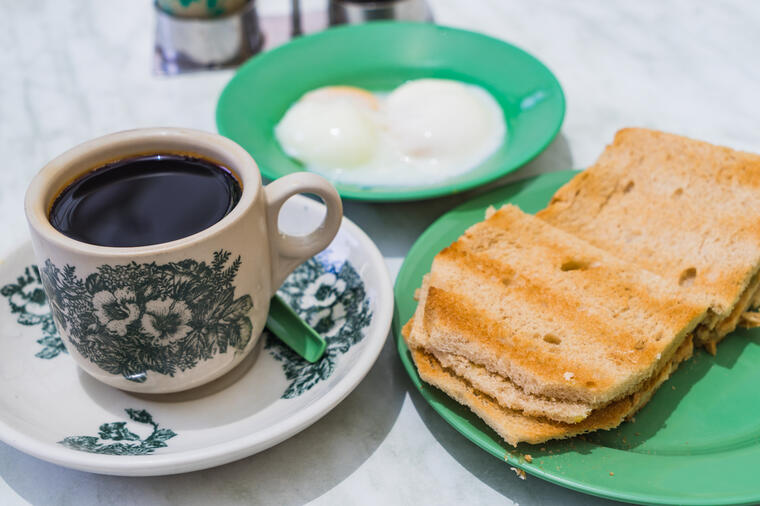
(145, 200)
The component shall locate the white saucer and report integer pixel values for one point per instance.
(53, 411)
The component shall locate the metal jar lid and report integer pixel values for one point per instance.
(358, 11)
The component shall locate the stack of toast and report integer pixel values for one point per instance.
(566, 322)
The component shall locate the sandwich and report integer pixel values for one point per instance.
(544, 335)
(517, 427)
(685, 210)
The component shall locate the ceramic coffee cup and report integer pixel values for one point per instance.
(172, 316)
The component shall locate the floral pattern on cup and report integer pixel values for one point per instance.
(332, 299)
(330, 296)
(135, 319)
(166, 320)
(116, 310)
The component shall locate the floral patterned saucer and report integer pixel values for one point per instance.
(53, 411)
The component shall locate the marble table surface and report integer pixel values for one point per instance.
(76, 69)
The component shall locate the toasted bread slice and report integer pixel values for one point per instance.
(515, 427)
(554, 315)
(686, 210)
(501, 389)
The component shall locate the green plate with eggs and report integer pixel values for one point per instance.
(696, 442)
(379, 57)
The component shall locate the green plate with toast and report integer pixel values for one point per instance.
(696, 442)
(380, 56)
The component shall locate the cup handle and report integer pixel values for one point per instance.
(290, 251)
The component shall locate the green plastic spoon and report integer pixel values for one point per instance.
(293, 331)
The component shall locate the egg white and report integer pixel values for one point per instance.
(423, 132)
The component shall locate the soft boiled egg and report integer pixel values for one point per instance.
(438, 118)
(331, 127)
(424, 131)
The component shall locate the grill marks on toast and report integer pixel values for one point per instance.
(505, 391)
(501, 388)
(498, 292)
(593, 321)
(455, 324)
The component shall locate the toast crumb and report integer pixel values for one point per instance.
(612, 474)
(519, 472)
(543, 448)
(636, 433)
(673, 387)
(528, 458)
